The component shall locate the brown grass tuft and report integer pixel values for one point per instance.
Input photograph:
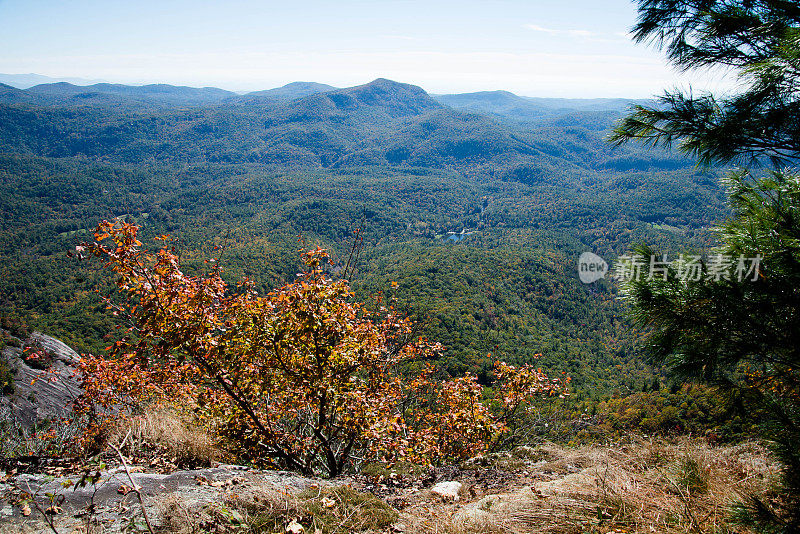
(164, 432)
(266, 509)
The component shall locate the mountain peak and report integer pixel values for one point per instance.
(307, 85)
(385, 84)
(59, 86)
(397, 99)
(388, 83)
(294, 90)
(493, 97)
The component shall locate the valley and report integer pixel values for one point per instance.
(515, 188)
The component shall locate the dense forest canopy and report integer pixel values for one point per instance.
(473, 208)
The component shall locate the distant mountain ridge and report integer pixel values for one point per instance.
(507, 105)
(498, 103)
(294, 90)
(154, 92)
(382, 123)
(24, 81)
(378, 123)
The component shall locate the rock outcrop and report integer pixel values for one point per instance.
(110, 502)
(44, 386)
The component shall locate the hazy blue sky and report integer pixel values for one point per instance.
(570, 48)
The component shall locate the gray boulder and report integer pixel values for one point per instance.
(43, 389)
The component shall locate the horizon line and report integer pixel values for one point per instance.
(89, 82)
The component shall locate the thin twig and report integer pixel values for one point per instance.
(47, 518)
(135, 487)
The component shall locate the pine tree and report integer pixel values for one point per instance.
(741, 333)
(758, 40)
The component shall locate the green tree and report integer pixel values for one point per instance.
(758, 40)
(739, 333)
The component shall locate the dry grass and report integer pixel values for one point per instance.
(246, 511)
(266, 509)
(163, 431)
(636, 487)
(639, 487)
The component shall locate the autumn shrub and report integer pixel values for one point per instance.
(446, 419)
(37, 357)
(302, 378)
(456, 419)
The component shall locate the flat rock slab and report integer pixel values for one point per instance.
(113, 501)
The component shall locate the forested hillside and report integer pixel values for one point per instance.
(473, 208)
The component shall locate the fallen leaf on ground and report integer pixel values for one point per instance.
(294, 527)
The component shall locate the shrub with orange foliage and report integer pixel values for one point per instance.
(302, 378)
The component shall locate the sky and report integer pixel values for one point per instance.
(569, 48)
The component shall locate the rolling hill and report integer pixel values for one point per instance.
(252, 173)
(379, 123)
